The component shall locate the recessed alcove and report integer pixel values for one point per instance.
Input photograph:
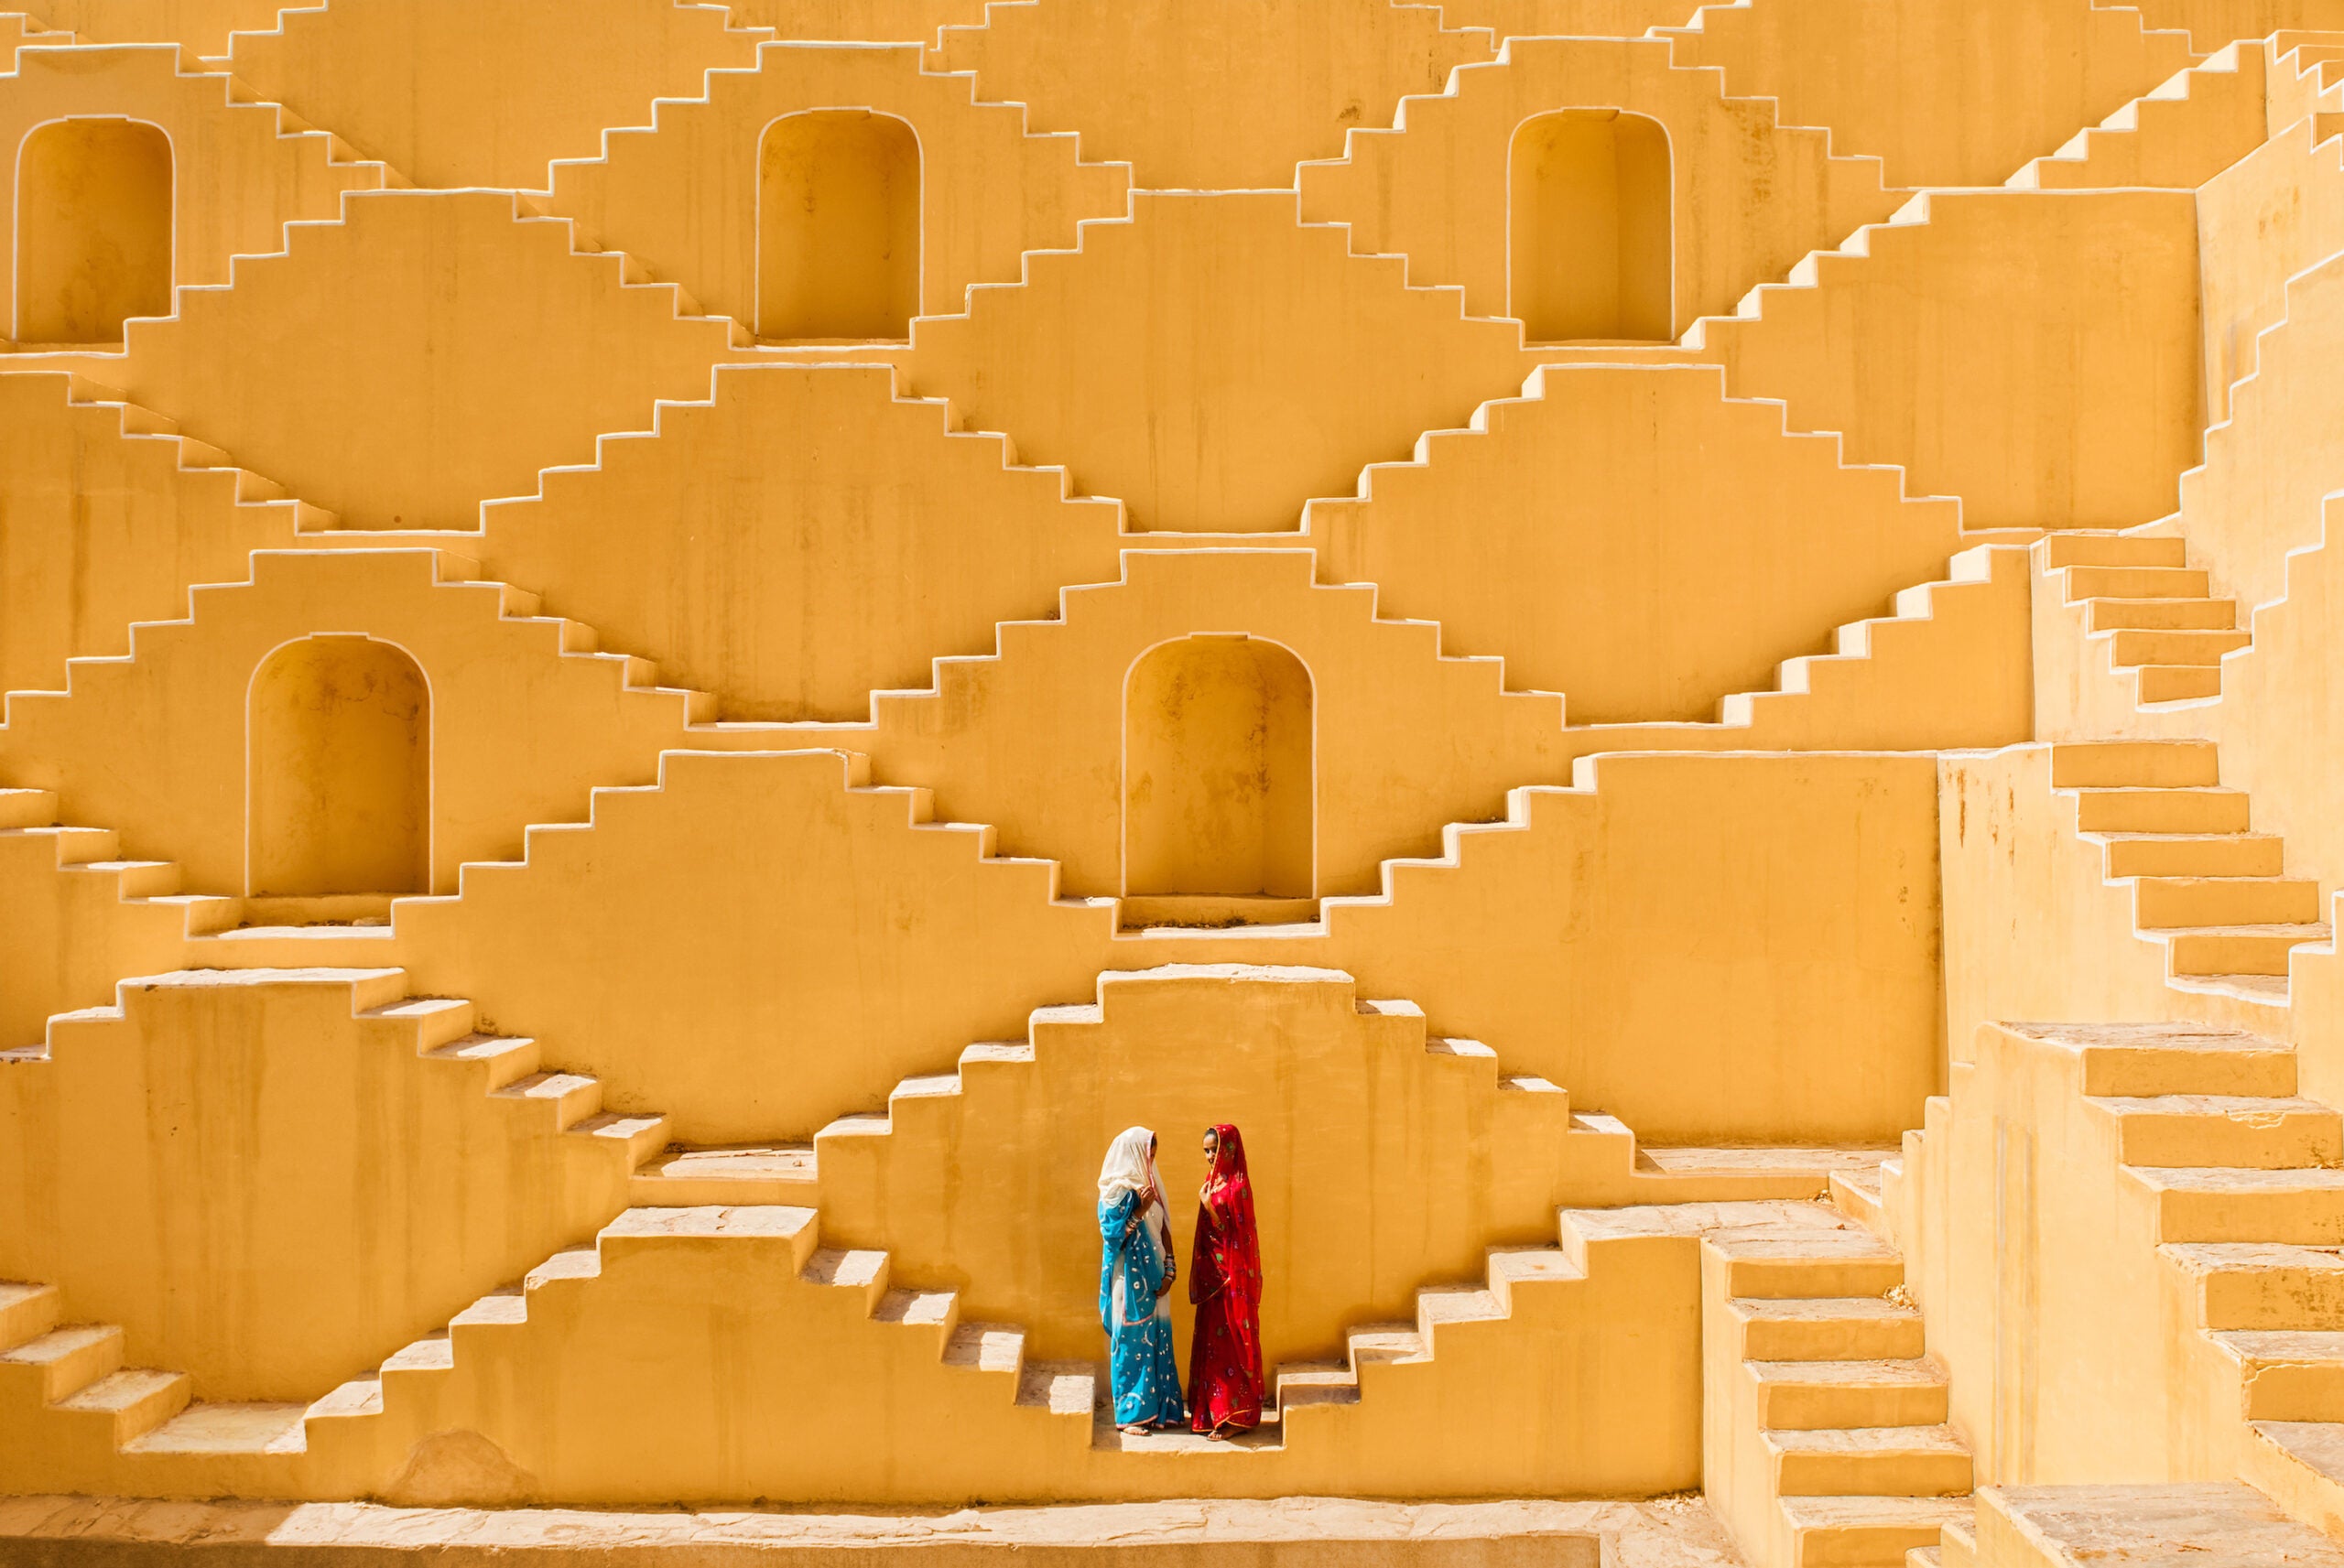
(1219, 792)
(339, 772)
(1588, 228)
(838, 227)
(93, 229)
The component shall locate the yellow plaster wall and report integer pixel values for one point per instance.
(155, 743)
(372, 374)
(1378, 1163)
(2033, 928)
(71, 937)
(1212, 362)
(2277, 211)
(2257, 496)
(236, 180)
(2035, 353)
(260, 1180)
(801, 976)
(1751, 197)
(201, 26)
(706, 1331)
(818, 538)
(453, 94)
(2210, 24)
(1581, 488)
(1209, 98)
(883, 21)
(99, 529)
(1944, 91)
(683, 196)
(1034, 743)
(2074, 1348)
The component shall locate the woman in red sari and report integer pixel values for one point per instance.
(1225, 1282)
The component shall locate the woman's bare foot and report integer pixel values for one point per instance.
(1139, 1429)
(1218, 1434)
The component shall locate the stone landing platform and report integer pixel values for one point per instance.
(1292, 1532)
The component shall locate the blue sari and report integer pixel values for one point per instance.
(1140, 1372)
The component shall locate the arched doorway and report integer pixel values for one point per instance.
(93, 229)
(1588, 228)
(838, 226)
(338, 772)
(1219, 797)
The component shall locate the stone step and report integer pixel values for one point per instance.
(2148, 1059)
(131, 1402)
(64, 1361)
(1777, 1265)
(750, 1173)
(1849, 1328)
(1875, 1461)
(1865, 1533)
(2204, 1131)
(1807, 1396)
(26, 1312)
(2237, 949)
(2205, 1521)
(2261, 1285)
(2288, 1374)
(2305, 1208)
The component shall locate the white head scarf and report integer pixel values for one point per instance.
(1130, 1167)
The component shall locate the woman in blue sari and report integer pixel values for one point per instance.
(1135, 1275)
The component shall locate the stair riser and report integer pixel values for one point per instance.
(2241, 855)
(2146, 1072)
(2135, 764)
(1872, 1475)
(2301, 1220)
(2172, 648)
(2284, 1142)
(1821, 1408)
(2274, 1299)
(2157, 811)
(2178, 683)
(2225, 901)
(2062, 550)
(2232, 952)
(1899, 1341)
(2136, 582)
(1867, 1546)
(2160, 615)
(2295, 1393)
(1760, 1279)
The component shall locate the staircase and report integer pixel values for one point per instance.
(1826, 1439)
(2205, 887)
(2156, 616)
(2178, 136)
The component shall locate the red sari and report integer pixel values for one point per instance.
(1225, 1282)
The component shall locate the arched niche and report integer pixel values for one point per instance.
(339, 770)
(838, 226)
(1219, 797)
(1590, 223)
(93, 229)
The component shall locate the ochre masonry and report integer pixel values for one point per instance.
(662, 660)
